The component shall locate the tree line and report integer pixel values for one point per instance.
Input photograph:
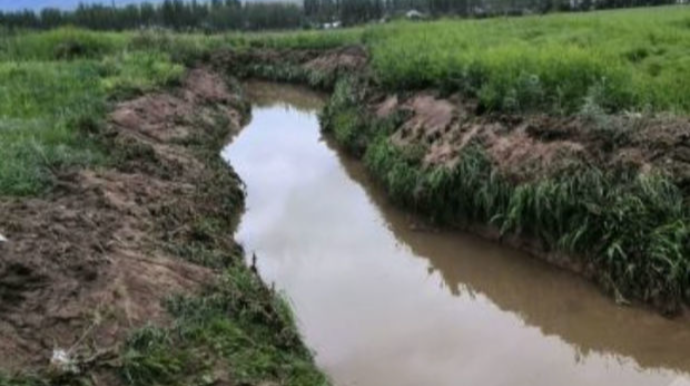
(223, 15)
(357, 11)
(180, 15)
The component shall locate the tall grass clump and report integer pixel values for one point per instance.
(43, 108)
(314, 39)
(247, 328)
(627, 228)
(60, 44)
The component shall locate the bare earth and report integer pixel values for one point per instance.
(87, 264)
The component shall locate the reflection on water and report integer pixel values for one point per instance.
(384, 305)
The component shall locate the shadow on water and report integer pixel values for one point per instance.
(363, 278)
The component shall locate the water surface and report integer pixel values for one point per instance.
(385, 304)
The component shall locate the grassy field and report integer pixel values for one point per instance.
(623, 60)
(631, 59)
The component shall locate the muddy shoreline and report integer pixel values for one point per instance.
(95, 264)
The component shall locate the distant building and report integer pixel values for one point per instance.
(414, 15)
(333, 25)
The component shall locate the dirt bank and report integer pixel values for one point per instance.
(318, 69)
(85, 266)
(94, 261)
(529, 147)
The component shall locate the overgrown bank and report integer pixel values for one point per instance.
(594, 207)
(126, 272)
(603, 194)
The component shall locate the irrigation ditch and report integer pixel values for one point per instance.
(132, 278)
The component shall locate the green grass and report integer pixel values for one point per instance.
(54, 91)
(238, 327)
(297, 40)
(43, 109)
(630, 59)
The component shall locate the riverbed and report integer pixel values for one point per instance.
(386, 300)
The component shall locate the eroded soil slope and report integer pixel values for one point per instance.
(316, 68)
(89, 263)
(534, 146)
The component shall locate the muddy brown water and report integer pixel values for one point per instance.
(384, 302)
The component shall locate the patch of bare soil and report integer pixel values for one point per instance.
(537, 146)
(343, 59)
(330, 63)
(86, 265)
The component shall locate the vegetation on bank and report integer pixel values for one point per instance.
(630, 230)
(55, 90)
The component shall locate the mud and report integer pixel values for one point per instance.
(286, 64)
(531, 147)
(87, 264)
(345, 59)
